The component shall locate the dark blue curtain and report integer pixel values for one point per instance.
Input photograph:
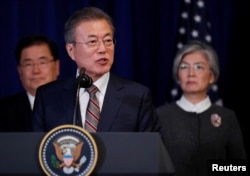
(146, 38)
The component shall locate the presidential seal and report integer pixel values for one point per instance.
(68, 150)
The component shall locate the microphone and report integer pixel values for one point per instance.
(84, 81)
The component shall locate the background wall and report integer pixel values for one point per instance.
(146, 38)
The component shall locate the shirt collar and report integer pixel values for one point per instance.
(198, 108)
(31, 100)
(102, 83)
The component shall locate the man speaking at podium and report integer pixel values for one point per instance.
(119, 104)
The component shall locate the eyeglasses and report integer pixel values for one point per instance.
(196, 66)
(94, 44)
(43, 64)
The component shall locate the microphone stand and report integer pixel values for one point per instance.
(84, 81)
(77, 95)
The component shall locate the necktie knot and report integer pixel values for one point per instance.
(92, 90)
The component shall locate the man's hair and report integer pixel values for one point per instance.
(35, 40)
(85, 14)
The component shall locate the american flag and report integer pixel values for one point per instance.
(194, 25)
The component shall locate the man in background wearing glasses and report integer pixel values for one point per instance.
(37, 60)
(123, 105)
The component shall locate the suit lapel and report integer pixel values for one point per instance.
(24, 105)
(112, 99)
(68, 100)
(22, 109)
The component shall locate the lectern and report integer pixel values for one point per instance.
(118, 154)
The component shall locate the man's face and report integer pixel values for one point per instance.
(93, 48)
(37, 67)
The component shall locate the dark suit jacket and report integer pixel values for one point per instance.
(127, 106)
(15, 113)
(193, 141)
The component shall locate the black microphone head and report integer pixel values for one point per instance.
(85, 81)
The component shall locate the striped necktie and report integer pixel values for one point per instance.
(93, 110)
